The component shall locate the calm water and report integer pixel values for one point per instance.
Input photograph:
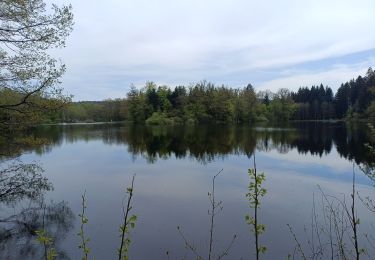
(174, 167)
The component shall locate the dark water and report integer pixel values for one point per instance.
(174, 167)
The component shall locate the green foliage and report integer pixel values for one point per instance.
(282, 107)
(22, 117)
(205, 102)
(28, 74)
(258, 228)
(256, 192)
(158, 119)
(125, 229)
(353, 99)
(316, 103)
(370, 111)
(84, 220)
(94, 111)
(128, 224)
(47, 242)
(255, 188)
(202, 102)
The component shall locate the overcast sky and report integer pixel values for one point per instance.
(270, 44)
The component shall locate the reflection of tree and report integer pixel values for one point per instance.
(207, 142)
(22, 180)
(17, 231)
(315, 138)
(351, 143)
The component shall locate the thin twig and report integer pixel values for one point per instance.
(354, 219)
(188, 245)
(126, 221)
(226, 251)
(214, 205)
(299, 247)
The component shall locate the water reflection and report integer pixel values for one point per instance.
(18, 230)
(172, 192)
(20, 180)
(23, 211)
(204, 143)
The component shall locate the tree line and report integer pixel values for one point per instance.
(353, 99)
(30, 92)
(205, 102)
(94, 111)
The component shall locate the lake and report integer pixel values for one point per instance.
(305, 164)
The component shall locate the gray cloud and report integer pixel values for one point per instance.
(117, 42)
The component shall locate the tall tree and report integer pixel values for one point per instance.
(28, 73)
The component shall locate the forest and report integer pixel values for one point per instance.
(205, 102)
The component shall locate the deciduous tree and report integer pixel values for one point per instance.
(29, 75)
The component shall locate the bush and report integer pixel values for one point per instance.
(177, 120)
(261, 118)
(158, 118)
(190, 121)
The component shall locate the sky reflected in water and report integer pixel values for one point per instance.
(174, 167)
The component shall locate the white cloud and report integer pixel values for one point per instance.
(332, 77)
(333, 160)
(188, 40)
